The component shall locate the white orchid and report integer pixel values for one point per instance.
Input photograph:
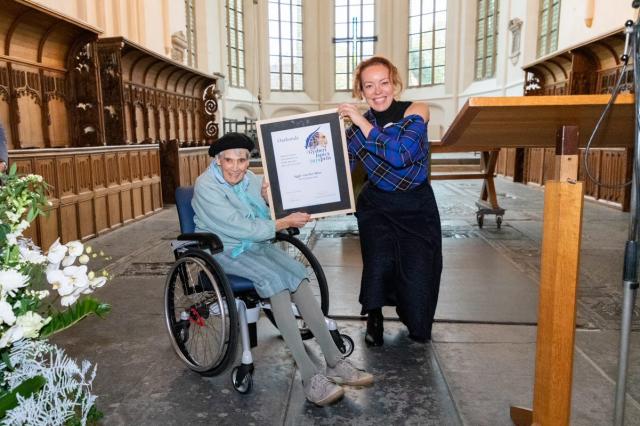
(97, 282)
(31, 256)
(69, 299)
(75, 248)
(6, 313)
(11, 280)
(68, 261)
(78, 275)
(56, 252)
(60, 282)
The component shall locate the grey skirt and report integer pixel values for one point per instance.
(270, 268)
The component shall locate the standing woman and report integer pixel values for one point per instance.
(400, 235)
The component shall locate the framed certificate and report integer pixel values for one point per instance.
(306, 163)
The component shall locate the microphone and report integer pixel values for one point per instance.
(635, 4)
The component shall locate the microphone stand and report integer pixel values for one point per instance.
(630, 273)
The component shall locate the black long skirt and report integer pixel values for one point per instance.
(401, 243)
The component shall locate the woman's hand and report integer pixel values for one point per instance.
(353, 113)
(265, 190)
(294, 220)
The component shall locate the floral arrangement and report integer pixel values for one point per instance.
(41, 294)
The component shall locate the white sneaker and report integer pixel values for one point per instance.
(322, 391)
(344, 373)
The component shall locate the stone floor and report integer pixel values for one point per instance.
(481, 359)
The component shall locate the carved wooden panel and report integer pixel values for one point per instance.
(86, 223)
(135, 167)
(57, 123)
(193, 169)
(111, 165)
(128, 137)
(30, 121)
(535, 166)
(594, 163)
(162, 125)
(612, 172)
(151, 119)
(141, 133)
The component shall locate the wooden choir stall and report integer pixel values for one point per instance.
(111, 126)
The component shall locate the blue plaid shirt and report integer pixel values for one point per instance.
(396, 158)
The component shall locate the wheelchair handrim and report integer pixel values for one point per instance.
(182, 352)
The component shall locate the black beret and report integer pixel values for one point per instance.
(230, 141)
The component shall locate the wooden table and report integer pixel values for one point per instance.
(563, 122)
(487, 124)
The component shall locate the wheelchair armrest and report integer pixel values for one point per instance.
(289, 231)
(205, 240)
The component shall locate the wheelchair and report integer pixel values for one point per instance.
(206, 309)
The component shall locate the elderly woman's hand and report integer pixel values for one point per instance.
(294, 220)
(265, 190)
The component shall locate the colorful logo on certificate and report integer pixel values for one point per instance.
(316, 144)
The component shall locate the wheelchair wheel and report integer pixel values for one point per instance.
(317, 281)
(200, 313)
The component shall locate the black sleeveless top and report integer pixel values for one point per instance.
(393, 114)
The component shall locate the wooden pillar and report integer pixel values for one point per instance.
(559, 273)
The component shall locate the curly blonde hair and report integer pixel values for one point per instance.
(356, 91)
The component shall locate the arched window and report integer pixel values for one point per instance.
(354, 37)
(285, 45)
(235, 43)
(427, 36)
(548, 22)
(486, 38)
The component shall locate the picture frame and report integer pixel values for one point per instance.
(305, 161)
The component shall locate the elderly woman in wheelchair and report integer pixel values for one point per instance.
(231, 220)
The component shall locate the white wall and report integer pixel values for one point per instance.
(151, 23)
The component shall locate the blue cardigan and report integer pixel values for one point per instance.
(219, 210)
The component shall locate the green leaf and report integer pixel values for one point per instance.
(25, 389)
(5, 358)
(81, 309)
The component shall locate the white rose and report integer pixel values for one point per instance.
(31, 324)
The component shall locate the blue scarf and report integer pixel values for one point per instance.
(257, 207)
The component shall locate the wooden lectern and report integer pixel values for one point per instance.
(566, 122)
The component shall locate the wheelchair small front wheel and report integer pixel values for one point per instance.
(200, 313)
(242, 378)
(317, 281)
(346, 346)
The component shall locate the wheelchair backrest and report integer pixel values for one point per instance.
(184, 194)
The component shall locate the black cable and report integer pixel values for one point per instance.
(614, 95)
